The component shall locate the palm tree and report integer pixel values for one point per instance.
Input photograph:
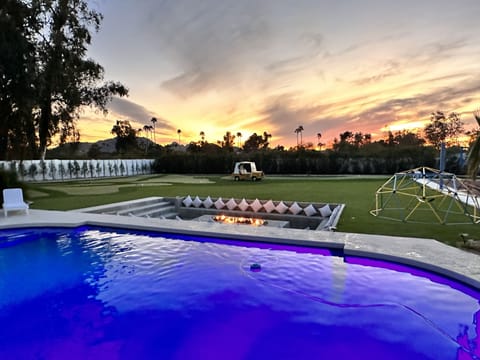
(154, 121)
(473, 161)
(202, 135)
(179, 132)
(228, 140)
(299, 130)
(239, 136)
(319, 144)
(146, 128)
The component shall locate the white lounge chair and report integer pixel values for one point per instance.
(13, 200)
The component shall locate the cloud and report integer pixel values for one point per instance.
(127, 110)
(391, 68)
(420, 58)
(211, 43)
(441, 50)
(447, 99)
(309, 46)
(282, 115)
(231, 61)
(220, 46)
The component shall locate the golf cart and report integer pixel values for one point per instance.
(246, 170)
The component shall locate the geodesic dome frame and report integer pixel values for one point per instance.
(427, 195)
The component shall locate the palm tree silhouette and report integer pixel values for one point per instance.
(299, 130)
(147, 129)
(179, 132)
(228, 140)
(473, 161)
(319, 136)
(154, 120)
(239, 136)
(202, 135)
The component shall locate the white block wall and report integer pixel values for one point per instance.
(48, 170)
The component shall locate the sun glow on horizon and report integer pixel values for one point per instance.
(274, 66)
(405, 125)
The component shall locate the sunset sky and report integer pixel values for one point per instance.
(272, 65)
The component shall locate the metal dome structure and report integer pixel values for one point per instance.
(427, 195)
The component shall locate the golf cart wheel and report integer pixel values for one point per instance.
(236, 178)
(254, 178)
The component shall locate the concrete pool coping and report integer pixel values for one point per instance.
(426, 254)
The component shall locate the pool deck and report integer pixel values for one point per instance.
(427, 254)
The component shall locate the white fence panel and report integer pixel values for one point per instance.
(49, 170)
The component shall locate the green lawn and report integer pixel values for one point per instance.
(357, 193)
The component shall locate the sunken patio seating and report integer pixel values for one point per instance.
(300, 215)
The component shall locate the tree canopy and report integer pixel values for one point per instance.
(443, 128)
(46, 77)
(126, 135)
(474, 152)
(256, 142)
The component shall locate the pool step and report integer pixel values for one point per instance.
(143, 209)
(161, 210)
(153, 207)
(165, 215)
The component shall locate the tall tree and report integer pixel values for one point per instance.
(265, 139)
(298, 131)
(148, 130)
(239, 137)
(473, 160)
(443, 128)
(254, 142)
(126, 136)
(179, 132)
(67, 79)
(319, 144)
(18, 24)
(350, 141)
(154, 121)
(346, 142)
(405, 138)
(228, 141)
(202, 136)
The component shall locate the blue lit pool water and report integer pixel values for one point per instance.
(92, 293)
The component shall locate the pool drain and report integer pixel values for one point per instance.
(255, 267)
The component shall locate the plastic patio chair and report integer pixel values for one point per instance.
(13, 200)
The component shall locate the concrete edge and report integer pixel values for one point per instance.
(445, 272)
(124, 203)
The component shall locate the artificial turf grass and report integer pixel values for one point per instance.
(358, 194)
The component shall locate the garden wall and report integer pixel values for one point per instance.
(58, 170)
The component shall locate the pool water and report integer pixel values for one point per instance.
(93, 293)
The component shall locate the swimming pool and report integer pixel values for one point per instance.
(114, 294)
